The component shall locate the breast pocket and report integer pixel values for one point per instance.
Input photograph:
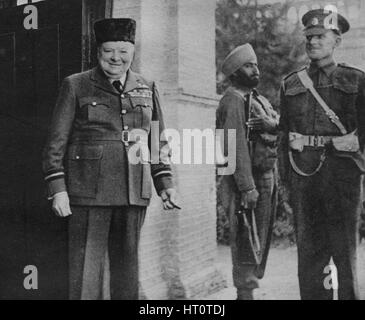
(297, 101)
(143, 107)
(83, 170)
(97, 108)
(345, 94)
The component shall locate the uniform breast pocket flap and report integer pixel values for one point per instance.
(83, 170)
(294, 91)
(346, 87)
(97, 108)
(95, 102)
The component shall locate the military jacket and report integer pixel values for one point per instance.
(341, 87)
(231, 115)
(86, 153)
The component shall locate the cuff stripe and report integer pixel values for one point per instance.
(54, 176)
(165, 173)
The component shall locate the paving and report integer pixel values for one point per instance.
(280, 281)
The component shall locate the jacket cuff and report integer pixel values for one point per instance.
(248, 186)
(163, 183)
(55, 186)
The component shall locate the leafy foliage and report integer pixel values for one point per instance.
(279, 45)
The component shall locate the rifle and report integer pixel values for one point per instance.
(247, 239)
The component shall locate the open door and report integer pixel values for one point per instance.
(32, 66)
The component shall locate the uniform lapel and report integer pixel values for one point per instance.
(101, 81)
(132, 82)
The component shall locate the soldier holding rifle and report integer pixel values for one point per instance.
(249, 194)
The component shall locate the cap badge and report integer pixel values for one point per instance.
(315, 21)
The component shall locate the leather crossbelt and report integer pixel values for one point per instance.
(315, 141)
(308, 83)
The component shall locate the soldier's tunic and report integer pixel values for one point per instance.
(325, 205)
(250, 172)
(87, 155)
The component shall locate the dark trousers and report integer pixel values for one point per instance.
(246, 273)
(103, 239)
(326, 209)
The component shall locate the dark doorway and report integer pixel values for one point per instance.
(32, 65)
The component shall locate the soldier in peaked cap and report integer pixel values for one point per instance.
(321, 105)
(252, 187)
(101, 116)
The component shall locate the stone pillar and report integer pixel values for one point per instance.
(176, 48)
(352, 49)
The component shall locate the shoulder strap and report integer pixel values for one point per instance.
(307, 82)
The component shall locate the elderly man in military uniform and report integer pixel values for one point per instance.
(98, 121)
(250, 190)
(322, 118)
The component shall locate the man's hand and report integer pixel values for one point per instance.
(61, 204)
(262, 124)
(249, 199)
(168, 197)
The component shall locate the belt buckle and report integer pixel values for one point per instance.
(318, 141)
(315, 141)
(125, 137)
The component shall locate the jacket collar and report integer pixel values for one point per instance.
(327, 68)
(101, 81)
(132, 82)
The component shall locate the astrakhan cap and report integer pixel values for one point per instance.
(122, 29)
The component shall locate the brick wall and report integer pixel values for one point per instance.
(176, 43)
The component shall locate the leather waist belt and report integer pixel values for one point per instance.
(316, 141)
(125, 137)
(298, 141)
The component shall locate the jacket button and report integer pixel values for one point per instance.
(77, 157)
(94, 103)
(124, 111)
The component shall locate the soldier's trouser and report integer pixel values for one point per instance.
(96, 233)
(326, 208)
(246, 272)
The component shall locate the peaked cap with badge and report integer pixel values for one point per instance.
(319, 21)
(319, 105)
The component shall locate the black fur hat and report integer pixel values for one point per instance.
(122, 29)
